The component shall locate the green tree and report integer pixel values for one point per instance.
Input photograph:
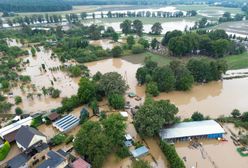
(114, 128)
(152, 89)
(130, 41)
(236, 113)
(165, 78)
(117, 51)
(221, 47)
(92, 141)
(196, 116)
(154, 44)
(112, 82)
(33, 51)
(18, 111)
(18, 99)
(141, 75)
(153, 115)
(144, 42)
(138, 27)
(184, 79)
(94, 106)
(126, 26)
(116, 101)
(86, 91)
(115, 37)
(157, 28)
(4, 150)
(169, 35)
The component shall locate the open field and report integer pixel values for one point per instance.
(237, 61)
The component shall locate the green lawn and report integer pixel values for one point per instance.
(140, 58)
(237, 61)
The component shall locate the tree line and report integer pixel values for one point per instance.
(34, 5)
(178, 76)
(215, 43)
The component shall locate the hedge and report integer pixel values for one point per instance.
(4, 150)
(170, 152)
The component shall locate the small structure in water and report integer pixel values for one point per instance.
(196, 129)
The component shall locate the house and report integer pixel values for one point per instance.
(80, 163)
(8, 133)
(195, 129)
(54, 160)
(141, 151)
(30, 157)
(28, 136)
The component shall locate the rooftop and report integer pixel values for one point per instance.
(140, 151)
(15, 126)
(66, 123)
(53, 161)
(25, 135)
(80, 163)
(194, 128)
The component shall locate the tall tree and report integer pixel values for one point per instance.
(157, 28)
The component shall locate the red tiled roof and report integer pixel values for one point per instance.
(80, 163)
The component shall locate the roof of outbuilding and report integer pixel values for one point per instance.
(25, 135)
(194, 128)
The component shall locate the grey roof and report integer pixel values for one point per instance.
(18, 161)
(194, 128)
(25, 135)
(53, 161)
(62, 152)
(66, 123)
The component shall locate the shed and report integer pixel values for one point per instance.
(194, 129)
(53, 116)
(141, 151)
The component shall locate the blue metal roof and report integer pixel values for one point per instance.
(140, 151)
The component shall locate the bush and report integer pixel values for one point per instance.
(4, 150)
(58, 139)
(69, 139)
(170, 152)
(116, 101)
(140, 164)
(37, 121)
(18, 111)
(137, 49)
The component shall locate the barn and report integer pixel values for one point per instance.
(189, 130)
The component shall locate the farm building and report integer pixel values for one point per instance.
(8, 133)
(196, 129)
(66, 123)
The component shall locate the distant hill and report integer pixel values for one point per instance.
(33, 5)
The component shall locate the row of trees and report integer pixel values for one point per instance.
(128, 27)
(34, 5)
(226, 17)
(96, 140)
(178, 76)
(215, 43)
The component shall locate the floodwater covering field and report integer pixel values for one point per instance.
(238, 28)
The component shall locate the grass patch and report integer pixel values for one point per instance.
(140, 58)
(237, 61)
